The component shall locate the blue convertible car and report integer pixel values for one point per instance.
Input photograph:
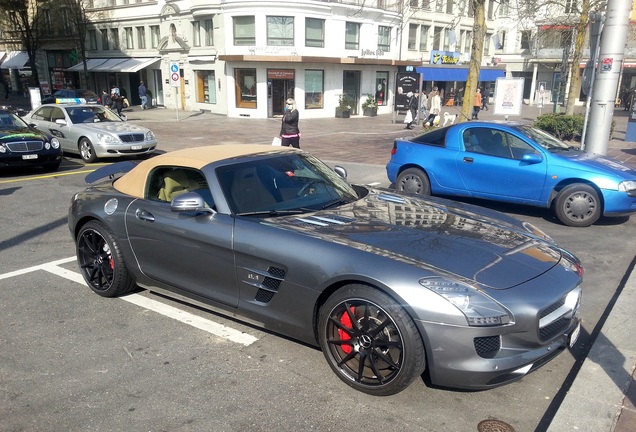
(514, 163)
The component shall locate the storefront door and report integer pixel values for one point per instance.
(281, 86)
(351, 87)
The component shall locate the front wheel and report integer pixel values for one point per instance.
(577, 205)
(101, 261)
(413, 180)
(87, 152)
(369, 341)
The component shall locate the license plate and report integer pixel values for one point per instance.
(575, 335)
(33, 156)
(135, 147)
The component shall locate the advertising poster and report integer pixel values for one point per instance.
(404, 83)
(508, 96)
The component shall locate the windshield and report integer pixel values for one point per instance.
(282, 184)
(543, 138)
(91, 114)
(8, 120)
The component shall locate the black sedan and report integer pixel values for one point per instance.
(22, 145)
(387, 285)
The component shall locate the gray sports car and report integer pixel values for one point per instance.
(388, 285)
(92, 131)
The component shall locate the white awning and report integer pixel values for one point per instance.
(127, 64)
(15, 60)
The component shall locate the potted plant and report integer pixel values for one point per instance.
(343, 110)
(370, 106)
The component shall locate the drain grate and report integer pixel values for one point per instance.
(494, 426)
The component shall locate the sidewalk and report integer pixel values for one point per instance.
(602, 396)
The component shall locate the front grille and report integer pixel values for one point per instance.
(25, 146)
(487, 347)
(555, 328)
(556, 318)
(132, 137)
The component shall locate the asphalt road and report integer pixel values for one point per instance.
(73, 361)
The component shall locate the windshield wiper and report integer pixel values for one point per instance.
(273, 212)
(335, 202)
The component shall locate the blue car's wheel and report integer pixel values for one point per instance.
(413, 180)
(369, 341)
(577, 205)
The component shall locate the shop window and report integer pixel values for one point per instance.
(314, 89)
(245, 82)
(244, 30)
(381, 87)
(280, 31)
(314, 32)
(206, 91)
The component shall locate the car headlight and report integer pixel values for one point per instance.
(627, 185)
(479, 309)
(3, 149)
(150, 136)
(55, 143)
(107, 138)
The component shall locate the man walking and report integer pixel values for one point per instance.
(485, 98)
(476, 104)
(143, 95)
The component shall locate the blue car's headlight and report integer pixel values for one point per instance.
(479, 309)
(627, 185)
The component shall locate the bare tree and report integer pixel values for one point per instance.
(25, 27)
(78, 23)
(476, 54)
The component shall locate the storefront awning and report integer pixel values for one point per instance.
(458, 73)
(128, 64)
(15, 60)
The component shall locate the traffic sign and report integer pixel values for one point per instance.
(175, 76)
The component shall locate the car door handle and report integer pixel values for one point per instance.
(469, 159)
(144, 215)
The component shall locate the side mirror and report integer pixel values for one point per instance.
(61, 122)
(532, 158)
(189, 202)
(340, 171)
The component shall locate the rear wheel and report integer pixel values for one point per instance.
(577, 205)
(101, 261)
(369, 341)
(413, 180)
(87, 152)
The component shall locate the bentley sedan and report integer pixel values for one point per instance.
(389, 286)
(92, 131)
(22, 145)
(514, 163)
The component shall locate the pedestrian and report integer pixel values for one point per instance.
(143, 95)
(435, 103)
(485, 98)
(7, 89)
(106, 98)
(424, 105)
(412, 105)
(118, 102)
(289, 132)
(476, 104)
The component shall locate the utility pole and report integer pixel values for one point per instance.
(608, 70)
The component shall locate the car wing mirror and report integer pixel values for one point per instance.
(532, 158)
(60, 122)
(189, 202)
(340, 171)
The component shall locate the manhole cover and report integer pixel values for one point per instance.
(494, 426)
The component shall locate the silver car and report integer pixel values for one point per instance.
(92, 131)
(388, 285)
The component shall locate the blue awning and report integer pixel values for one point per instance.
(457, 73)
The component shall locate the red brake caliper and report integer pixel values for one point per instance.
(346, 321)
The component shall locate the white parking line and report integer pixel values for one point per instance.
(147, 303)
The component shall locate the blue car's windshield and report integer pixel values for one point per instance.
(543, 138)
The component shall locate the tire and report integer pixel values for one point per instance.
(101, 261)
(87, 152)
(353, 329)
(577, 205)
(413, 180)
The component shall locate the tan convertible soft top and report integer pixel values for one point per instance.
(134, 182)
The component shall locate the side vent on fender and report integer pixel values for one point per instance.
(270, 285)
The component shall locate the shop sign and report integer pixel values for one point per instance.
(280, 73)
(405, 83)
(371, 53)
(444, 57)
